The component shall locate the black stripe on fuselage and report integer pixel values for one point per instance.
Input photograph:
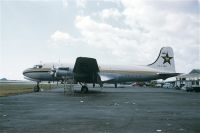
(35, 72)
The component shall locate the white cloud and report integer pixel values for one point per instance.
(177, 29)
(81, 3)
(65, 38)
(65, 3)
(60, 36)
(120, 42)
(110, 13)
(146, 29)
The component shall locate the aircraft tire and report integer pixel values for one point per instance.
(36, 89)
(84, 89)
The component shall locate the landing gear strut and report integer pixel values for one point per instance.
(115, 85)
(36, 88)
(93, 85)
(84, 89)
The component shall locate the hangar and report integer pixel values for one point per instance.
(190, 81)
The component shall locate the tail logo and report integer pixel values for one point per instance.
(166, 58)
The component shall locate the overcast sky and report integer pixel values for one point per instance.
(123, 32)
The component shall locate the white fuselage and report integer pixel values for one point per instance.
(128, 73)
(107, 73)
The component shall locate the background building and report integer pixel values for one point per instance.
(189, 81)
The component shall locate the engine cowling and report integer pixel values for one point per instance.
(62, 72)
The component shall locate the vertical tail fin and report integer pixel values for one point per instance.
(165, 61)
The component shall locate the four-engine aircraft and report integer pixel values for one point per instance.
(86, 70)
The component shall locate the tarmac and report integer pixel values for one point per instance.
(108, 110)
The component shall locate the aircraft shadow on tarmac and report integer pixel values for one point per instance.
(75, 91)
(89, 92)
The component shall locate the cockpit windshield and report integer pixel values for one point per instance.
(37, 66)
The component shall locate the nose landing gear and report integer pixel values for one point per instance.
(36, 88)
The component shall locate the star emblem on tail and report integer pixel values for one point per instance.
(166, 58)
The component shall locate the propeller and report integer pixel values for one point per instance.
(52, 72)
(60, 73)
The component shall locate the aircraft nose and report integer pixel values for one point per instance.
(25, 72)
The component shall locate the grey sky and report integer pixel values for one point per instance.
(120, 32)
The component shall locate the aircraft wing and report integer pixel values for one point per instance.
(86, 70)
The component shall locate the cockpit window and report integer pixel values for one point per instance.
(37, 66)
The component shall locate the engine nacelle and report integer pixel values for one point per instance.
(64, 72)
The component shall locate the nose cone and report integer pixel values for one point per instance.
(29, 74)
(25, 72)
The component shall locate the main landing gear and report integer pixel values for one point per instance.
(36, 88)
(115, 85)
(84, 89)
